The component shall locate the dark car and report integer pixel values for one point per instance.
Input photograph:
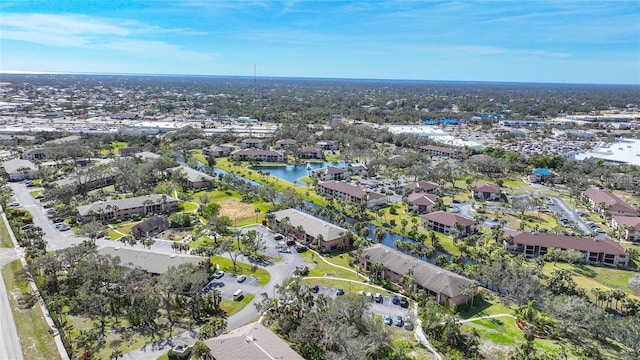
(395, 300)
(340, 292)
(58, 221)
(404, 302)
(314, 288)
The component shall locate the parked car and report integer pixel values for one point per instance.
(378, 298)
(285, 250)
(340, 292)
(57, 221)
(387, 320)
(15, 203)
(241, 278)
(395, 300)
(39, 197)
(278, 237)
(314, 288)
(404, 302)
(218, 274)
(399, 321)
(361, 293)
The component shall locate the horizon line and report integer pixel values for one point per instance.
(32, 72)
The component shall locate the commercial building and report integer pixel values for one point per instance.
(624, 151)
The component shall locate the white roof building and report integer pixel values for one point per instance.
(625, 151)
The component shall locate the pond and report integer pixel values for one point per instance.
(293, 173)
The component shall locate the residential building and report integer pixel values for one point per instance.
(311, 152)
(351, 193)
(543, 175)
(17, 139)
(146, 155)
(444, 222)
(19, 169)
(420, 203)
(434, 150)
(603, 201)
(128, 151)
(124, 208)
(252, 144)
(604, 252)
(253, 341)
(419, 186)
(194, 179)
(486, 191)
(257, 155)
(217, 150)
(86, 181)
(331, 173)
(444, 285)
(285, 143)
(307, 229)
(327, 145)
(149, 261)
(149, 227)
(357, 169)
(35, 154)
(629, 224)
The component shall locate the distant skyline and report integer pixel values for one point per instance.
(520, 41)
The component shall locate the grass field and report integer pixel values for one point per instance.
(318, 267)
(33, 330)
(231, 307)
(589, 277)
(5, 239)
(225, 264)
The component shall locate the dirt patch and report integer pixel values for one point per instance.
(235, 209)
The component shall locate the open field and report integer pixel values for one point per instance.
(317, 267)
(589, 277)
(5, 239)
(33, 331)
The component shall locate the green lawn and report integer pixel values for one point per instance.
(225, 264)
(33, 330)
(125, 227)
(35, 193)
(5, 239)
(189, 206)
(589, 276)
(321, 268)
(231, 306)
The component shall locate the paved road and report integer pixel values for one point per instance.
(9, 341)
(570, 214)
(279, 271)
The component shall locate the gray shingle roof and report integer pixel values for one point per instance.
(123, 204)
(312, 225)
(148, 261)
(12, 166)
(252, 341)
(426, 274)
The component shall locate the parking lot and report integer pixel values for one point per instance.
(228, 284)
(386, 307)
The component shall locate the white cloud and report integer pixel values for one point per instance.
(92, 33)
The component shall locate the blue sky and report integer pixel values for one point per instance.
(521, 41)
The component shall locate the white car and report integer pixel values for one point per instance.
(15, 203)
(241, 278)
